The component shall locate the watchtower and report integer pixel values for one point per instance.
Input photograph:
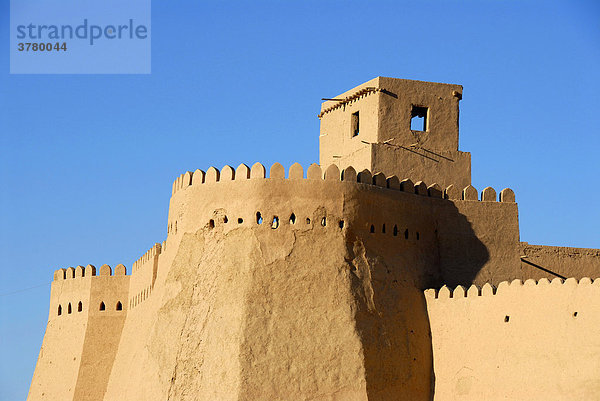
(398, 127)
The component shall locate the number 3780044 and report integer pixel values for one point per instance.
(42, 47)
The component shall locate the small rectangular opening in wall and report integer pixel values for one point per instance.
(418, 118)
(355, 124)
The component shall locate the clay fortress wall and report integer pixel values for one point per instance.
(380, 275)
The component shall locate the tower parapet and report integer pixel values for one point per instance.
(87, 313)
(403, 127)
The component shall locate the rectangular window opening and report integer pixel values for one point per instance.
(418, 118)
(355, 122)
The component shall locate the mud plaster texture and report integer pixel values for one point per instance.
(380, 274)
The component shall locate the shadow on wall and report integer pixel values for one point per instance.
(462, 254)
(391, 316)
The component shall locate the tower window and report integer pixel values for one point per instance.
(418, 118)
(355, 124)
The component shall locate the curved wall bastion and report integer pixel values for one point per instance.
(334, 283)
(382, 210)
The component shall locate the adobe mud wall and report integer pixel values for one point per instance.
(57, 368)
(273, 300)
(274, 278)
(521, 341)
(252, 263)
(468, 235)
(556, 261)
(354, 248)
(308, 283)
(87, 313)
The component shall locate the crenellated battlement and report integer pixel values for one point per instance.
(377, 205)
(144, 274)
(88, 271)
(148, 256)
(89, 289)
(505, 287)
(490, 335)
(333, 173)
(88, 308)
(355, 267)
(70, 288)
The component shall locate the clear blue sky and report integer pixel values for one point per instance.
(87, 162)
